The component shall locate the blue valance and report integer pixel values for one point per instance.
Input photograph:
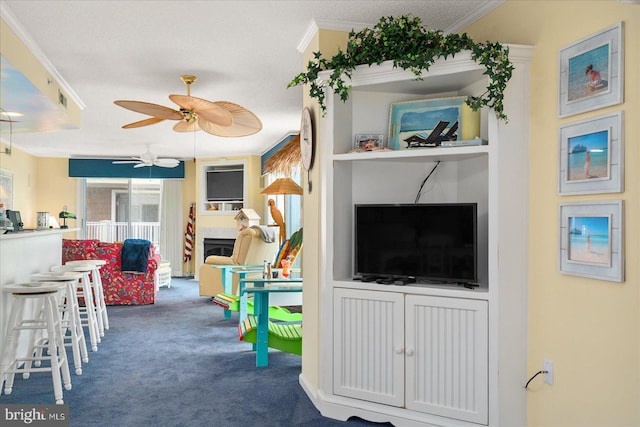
(104, 168)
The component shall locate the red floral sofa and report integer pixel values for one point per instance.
(119, 288)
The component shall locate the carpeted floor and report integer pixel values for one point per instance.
(179, 363)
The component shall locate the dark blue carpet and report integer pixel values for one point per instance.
(179, 363)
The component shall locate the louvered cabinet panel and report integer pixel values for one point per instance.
(369, 345)
(447, 357)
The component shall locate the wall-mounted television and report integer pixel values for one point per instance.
(435, 242)
(224, 185)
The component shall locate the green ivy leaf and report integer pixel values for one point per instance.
(410, 46)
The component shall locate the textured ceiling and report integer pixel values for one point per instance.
(242, 51)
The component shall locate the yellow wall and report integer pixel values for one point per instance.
(588, 328)
(40, 185)
(25, 175)
(55, 190)
(25, 178)
(328, 43)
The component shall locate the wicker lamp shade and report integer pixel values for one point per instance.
(283, 186)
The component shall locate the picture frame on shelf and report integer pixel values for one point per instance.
(591, 72)
(591, 157)
(368, 142)
(6, 189)
(429, 122)
(591, 239)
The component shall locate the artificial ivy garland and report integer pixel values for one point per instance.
(410, 46)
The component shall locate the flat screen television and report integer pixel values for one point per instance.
(422, 242)
(225, 185)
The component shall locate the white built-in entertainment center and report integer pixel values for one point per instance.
(423, 354)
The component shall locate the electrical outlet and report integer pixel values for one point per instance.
(548, 367)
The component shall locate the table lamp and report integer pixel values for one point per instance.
(64, 215)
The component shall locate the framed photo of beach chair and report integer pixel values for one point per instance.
(591, 72)
(591, 156)
(591, 239)
(431, 122)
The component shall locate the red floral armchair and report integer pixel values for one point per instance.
(120, 288)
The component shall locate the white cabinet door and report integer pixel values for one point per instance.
(368, 356)
(447, 357)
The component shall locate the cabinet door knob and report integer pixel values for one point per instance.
(409, 352)
(399, 350)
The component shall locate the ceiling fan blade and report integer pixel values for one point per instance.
(124, 162)
(204, 109)
(141, 165)
(145, 122)
(166, 163)
(150, 109)
(244, 121)
(186, 126)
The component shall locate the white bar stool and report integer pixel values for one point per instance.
(98, 290)
(88, 310)
(45, 320)
(69, 314)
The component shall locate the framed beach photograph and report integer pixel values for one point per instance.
(591, 239)
(430, 122)
(591, 156)
(591, 72)
(6, 189)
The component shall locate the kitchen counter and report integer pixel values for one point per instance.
(36, 233)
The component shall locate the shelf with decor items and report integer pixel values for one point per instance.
(495, 177)
(223, 186)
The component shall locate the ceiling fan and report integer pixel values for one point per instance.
(219, 118)
(149, 159)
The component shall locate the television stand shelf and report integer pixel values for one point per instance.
(401, 328)
(234, 205)
(417, 154)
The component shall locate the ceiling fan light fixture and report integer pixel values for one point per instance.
(149, 159)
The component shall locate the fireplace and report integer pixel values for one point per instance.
(215, 246)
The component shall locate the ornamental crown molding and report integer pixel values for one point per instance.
(325, 24)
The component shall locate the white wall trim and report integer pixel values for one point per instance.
(325, 24)
(473, 16)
